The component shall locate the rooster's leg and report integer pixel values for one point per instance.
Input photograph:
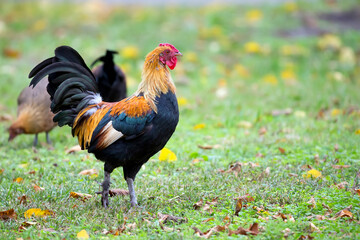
(35, 140)
(130, 183)
(48, 138)
(105, 192)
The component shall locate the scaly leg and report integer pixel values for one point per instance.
(130, 183)
(35, 140)
(105, 192)
(48, 138)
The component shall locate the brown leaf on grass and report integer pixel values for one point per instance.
(235, 168)
(164, 218)
(340, 166)
(165, 228)
(18, 180)
(267, 171)
(254, 165)
(198, 205)
(23, 199)
(320, 217)
(253, 230)
(208, 147)
(118, 191)
(303, 237)
(327, 208)
(238, 206)
(313, 228)
(11, 53)
(247, 198)
(73, 149)
(311, 202)
(282, 150)
(287, 232)
(5, 117)
(208, 220)
(116, 232)
(293, 175)
(262, 131)
(341, 185)
(306, 167)
(284, 217)
(2, 170)
(28, 224)
(9, 214)
(209, 232)
(37, 188)
(357, 191)
(31, 172)
(82, 196)
(89, 172)
(259, 155)
(344, 213)
(279, 112)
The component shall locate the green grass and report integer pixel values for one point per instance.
(212, 40)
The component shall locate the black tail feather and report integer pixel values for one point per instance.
(70, 82)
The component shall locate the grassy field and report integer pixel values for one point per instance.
(263, 101)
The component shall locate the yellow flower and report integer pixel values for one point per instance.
(182, 101)
(271, 79)
(130, 52)
(329, 41)
(313, 173)
(39, 25)
(335, 112)
(347, 56)
(37, 212)
(253, 16)
(290, 7)
(82, 235)
(167, 155)
(245, 124)
(241, 70)
(288, 74)
(199, 126)
(357, 132)
(190, 57)
(252, 47)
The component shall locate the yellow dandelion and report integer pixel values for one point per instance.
(313, 173)
(130, 52)
(357, 132)
(199, 126)
(167, 155)
(253, 16)
(252, 47)
(329, 41)
(288, 74)
(241, 70)
(290, 7)
(270, 79)
(182, 101)
(335, 112)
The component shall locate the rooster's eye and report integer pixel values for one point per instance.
(167, 51)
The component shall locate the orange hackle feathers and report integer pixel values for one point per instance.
(156, 78)
(84, 129)
(134, 106)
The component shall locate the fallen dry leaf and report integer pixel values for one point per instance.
(287, 232)
(311, 202)
(357, 191)
(293, 175)
(28, 224)
(306, 166)
(320, 217)
(164, 218)
(262, 131)
(253, 230)
(31, 172)
(259, 155)
(344, 213)
(235, 168)
(313, 228)
(267, 171)
(73, 149)
(18, 180)
(340, 166)
(9, 214)
(284, 217)
(37, 188)
(11, 53)
(208, 147)
(198, 205)
(280, 112)
(303, 237)
(2, 170)
(37, 212)
(208, 220)
(22, 199)
(117, 191)
(282, 150)
(327, 208)
(5, 117)
(254, 165)
(209, 232)
(238, 206)
(89, 172)
(83, 196)
(341, 185)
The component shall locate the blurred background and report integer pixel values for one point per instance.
(241, 58)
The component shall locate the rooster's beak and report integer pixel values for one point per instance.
(178, 54)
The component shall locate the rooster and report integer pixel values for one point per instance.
(33, 115)
(111, 80)
(125, 133)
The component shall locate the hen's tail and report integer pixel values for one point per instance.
(71, 86)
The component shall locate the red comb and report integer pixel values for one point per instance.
(168, 45)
